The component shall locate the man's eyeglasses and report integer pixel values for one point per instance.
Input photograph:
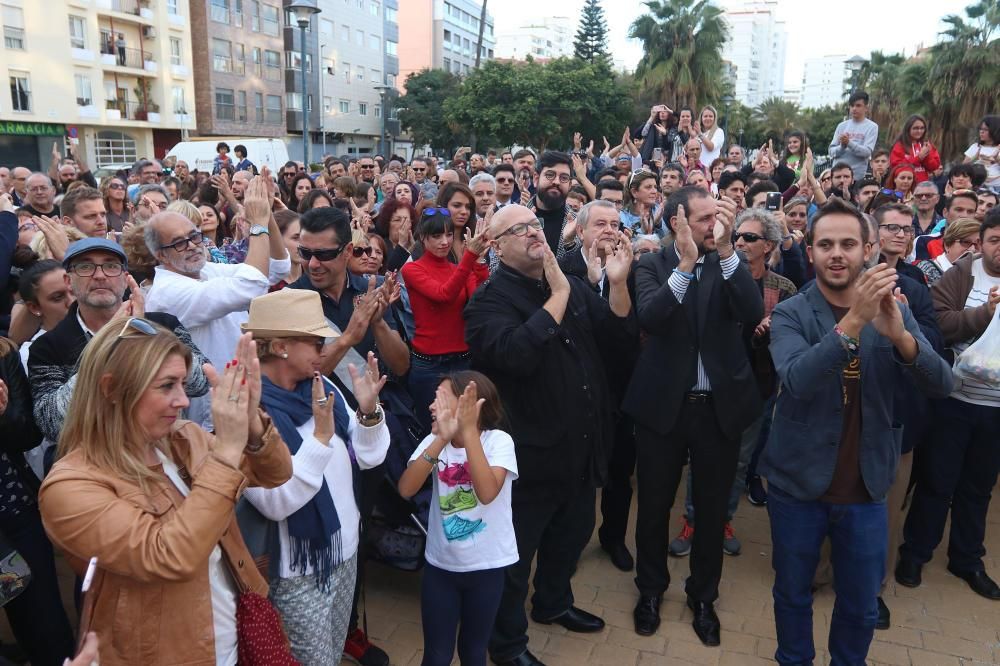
(505, 180)
(896, 228)
(152, 173)
(39, 188)
(367, 166)
(618, 204)
(419, 169)
(925, 195)
(161, 205)
(749, 236)
(358, 251)
(88, 268)
(553, 175)
(521, 229)
(328, 254)
(184, 243)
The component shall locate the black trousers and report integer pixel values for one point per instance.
(659, 463)
(557, 529)
(371, 479)
(616, 497)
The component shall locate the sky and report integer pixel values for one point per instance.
(851, 27)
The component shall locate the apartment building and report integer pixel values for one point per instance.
(442, 34)
(756, 47)
(239, 61)
(112, 78)
(824, 81)
(542, 39)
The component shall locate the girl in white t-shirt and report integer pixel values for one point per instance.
(986, 151)
(470, 536)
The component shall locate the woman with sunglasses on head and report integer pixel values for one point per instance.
(960, 237)
(915, 149)
(986, 151)
(314, 563)
(900, 182)
(116, 203)
(438, 291)
(641, 213)
(152, 496)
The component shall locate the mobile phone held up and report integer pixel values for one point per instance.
(773, 201)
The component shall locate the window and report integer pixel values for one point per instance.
(376, 76)
(373, 7)
(447, 39)
(241, 108)
(13, 27)
(269, 19)
(255, 15)
(115, 148)
(291, 22)
(224, 104)
(172, 7)
(238, 13)
(293, 60)
(345, 68)
(360, 74)
(293, 101)
(220, 11)
(272, 66)
(178, 98)
(273, 111)
(20, 91)
(256, 62)
(175, 51)
(447, 64)
(374, 42)
(390, 15)
(329, 66)
(390, 80)
(390, 47)
(327, 105)
(77, 32)
(345, 106)
(359, 37)
(378, 110)
(326, 27)
(362, 108)
(258, 107)
(222, 57)
(239, 62)
(345, 33)
(84, 93)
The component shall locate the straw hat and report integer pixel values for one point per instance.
(288, 313)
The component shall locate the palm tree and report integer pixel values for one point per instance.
(776, 117)
(682, 45)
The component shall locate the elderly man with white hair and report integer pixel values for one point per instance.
(484, 189)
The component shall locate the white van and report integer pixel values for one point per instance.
(200, 153)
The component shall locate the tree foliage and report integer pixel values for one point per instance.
(591, 43)
(421, 108)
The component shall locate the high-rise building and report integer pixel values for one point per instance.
(111, 78)
(442, 34)
(756, 48)
(824, 81)
(543, 39)
(239, 61)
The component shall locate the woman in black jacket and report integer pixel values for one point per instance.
(36, 616)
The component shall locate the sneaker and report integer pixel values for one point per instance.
(756, 493)
(462, 499)
(681, 546)
(358, 649)
(730, 544)
(457, 528)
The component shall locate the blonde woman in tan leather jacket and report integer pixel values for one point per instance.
(152, 496)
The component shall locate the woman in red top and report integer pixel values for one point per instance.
(914, 149)
(901, 180)
(438, 291)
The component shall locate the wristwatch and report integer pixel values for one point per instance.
(373, 419)
(257, 230)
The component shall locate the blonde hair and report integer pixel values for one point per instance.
(359, 237)
(41, 246)
(959, 229)
(101, 421)
(188, 210)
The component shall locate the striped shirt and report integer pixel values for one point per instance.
(970, 390)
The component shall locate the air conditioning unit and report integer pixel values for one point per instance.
(331, 71)
(149, 31)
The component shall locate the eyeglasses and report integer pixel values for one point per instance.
(891, 193)
(88, 268)
(152, 173)
(967, 243)
(27, 226)
(553, 175)
(521, 229)
(419, 169)
(162, 205)
(136, 324)
(367, 166)
(896, 228)
(116, 186)
(749, 236)
(184, 243)
(358, 251)
(39, 188)
(644, 250)
(505, 180)
(925, 195)
(431, 212)
(618, 204)
(321, 255)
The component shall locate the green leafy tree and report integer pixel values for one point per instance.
(776, 117)
(421, 108)
(591, 43)
(819, 125)
(682, 51)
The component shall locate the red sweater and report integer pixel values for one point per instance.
(438, 292)
(922, 168)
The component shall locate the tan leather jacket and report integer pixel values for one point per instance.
(152, 601)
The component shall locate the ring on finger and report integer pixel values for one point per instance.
(322, 401)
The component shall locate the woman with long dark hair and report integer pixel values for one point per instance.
(300, 186)
(794, 155)
(914, 148)
(986, 151)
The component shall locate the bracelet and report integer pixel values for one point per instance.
(369, 420)
(428, 458)
(684, 274)
(850, 343)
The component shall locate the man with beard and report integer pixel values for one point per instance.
(828, 467)
(366, 170)
(538, 335)
(552, 182)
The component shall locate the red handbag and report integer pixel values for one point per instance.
(260, 636)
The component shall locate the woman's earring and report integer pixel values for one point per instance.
(284, 354)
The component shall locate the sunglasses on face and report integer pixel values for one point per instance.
(358, 251)
(116, 186)
(749, 236)
(367, 166)
(505, 180)
(925, 195)
(321, 255)
(419, 169)
(184, 243)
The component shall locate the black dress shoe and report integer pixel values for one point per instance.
(980, 583)
(908, 573)
(574, 619)
(706, 622)
(883, 615)
(523, 659)
(647, 614)
(620, 557)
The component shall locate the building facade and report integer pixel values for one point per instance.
(551, 37)
(239, 59)
(442, 34)
(824, 81)
(756, 47)
(112, 79)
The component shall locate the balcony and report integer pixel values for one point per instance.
(125, 110)
(128, 58)
(134, 9)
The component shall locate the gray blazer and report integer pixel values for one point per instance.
(801, 451)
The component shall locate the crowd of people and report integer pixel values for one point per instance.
(210, 383)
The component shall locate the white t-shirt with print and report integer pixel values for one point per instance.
(464, 534)
(970, 390)
(988, 156)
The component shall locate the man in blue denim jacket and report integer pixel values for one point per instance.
(841, 350)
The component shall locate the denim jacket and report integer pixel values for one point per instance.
(801, 452)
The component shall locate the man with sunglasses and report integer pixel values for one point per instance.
(96, 274)
(366, 169)
(538, 335)
(506, 178)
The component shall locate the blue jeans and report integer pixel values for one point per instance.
(425, 376)
(858, 540)
(458, 602)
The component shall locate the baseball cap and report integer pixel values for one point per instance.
(85, 245)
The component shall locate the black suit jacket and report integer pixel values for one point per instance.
(710, 320)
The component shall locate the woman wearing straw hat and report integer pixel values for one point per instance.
(316, 510)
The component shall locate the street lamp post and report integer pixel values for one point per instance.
(303, 10)
(383, 91)
(727, 100)
(854, 65)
